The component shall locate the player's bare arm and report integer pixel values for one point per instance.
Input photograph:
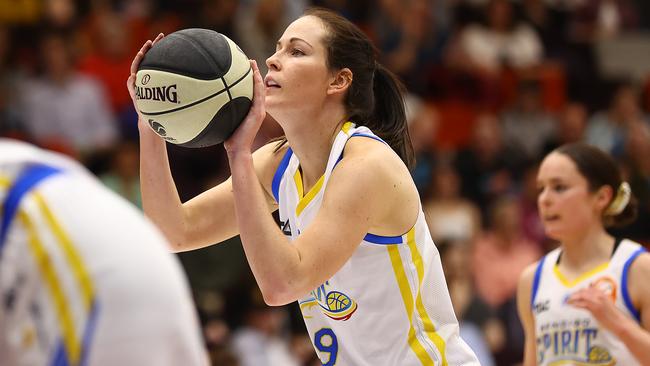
(637, 336)
(524, 307)
(362, 193)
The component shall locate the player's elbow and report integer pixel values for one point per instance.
(278, 295)
(178, 238)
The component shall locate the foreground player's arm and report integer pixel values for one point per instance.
(635, 336)
(524, 307)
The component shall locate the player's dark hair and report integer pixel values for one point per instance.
(375, 96)
(600, 169)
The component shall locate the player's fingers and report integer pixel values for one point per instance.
(130, 82)
(261, 89)
(140, 55)
(158, 38)
(258, 84)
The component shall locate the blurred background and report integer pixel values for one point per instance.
(493, 86)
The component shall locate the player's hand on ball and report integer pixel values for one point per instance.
(130, 82)
(242, 139)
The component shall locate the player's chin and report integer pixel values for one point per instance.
(273, 103)
(554, 232)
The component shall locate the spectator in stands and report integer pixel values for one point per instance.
(501, 253)
(450, 216)
(410, 40)
(63, 108)
(487, 167)
(10, 121)
(571, 126)
(261, 341)
(608, 129)
(500, 42)
(527, 126)
(479, 326)
(108, 61)
(423, 120)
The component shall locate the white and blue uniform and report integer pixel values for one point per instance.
(389, 303)
(566, 335)
(84, 278)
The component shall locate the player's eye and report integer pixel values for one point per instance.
(559, 187)
(296, 52)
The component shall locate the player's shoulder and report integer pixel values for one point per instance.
(373, 165)
(640, 265)
(527, 276)
(374, 156)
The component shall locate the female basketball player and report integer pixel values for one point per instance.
(587, 302)
(353, 247)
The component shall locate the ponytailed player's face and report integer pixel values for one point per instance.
(566, 205)
(297, 75)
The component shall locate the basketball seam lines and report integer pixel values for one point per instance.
(215, 65)
(225, 89)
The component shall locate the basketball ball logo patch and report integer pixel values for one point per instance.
(606, 285)
(333, 304)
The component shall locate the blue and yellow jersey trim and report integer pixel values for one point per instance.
(73, 349)
(571, 283)
(421, 339)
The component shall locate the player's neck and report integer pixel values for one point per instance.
(589, 249)
(311, 139)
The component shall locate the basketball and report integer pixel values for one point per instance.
(194, 87)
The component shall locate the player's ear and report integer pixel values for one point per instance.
(604, 196)
(340, 81)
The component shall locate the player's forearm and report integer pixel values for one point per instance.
(275, 262)
(160, 199)
(636, 339)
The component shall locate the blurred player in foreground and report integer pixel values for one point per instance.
(84, 278)
(587, 302)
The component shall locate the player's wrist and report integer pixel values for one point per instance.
(623, 328)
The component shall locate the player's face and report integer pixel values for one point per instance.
(566, 205)
(298, 74)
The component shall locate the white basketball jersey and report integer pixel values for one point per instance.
(566, 335)
(388, 304)
(84, 278)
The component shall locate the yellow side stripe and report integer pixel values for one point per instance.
(44, 262)
(580, 278)
(405, 291)
(298, 180)
(429, 327)
(304, 201)
(71, 342)
(75, 261)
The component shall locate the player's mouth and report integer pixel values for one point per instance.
(551, 218)
(270, 83)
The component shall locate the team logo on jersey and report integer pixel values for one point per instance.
(596, 356)
(286, 227)
(334, 304)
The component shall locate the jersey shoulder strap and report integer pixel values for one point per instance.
(28, 179)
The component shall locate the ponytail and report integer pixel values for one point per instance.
(388, 119)
(375, 97)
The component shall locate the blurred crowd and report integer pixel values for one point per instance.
(493, 85)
